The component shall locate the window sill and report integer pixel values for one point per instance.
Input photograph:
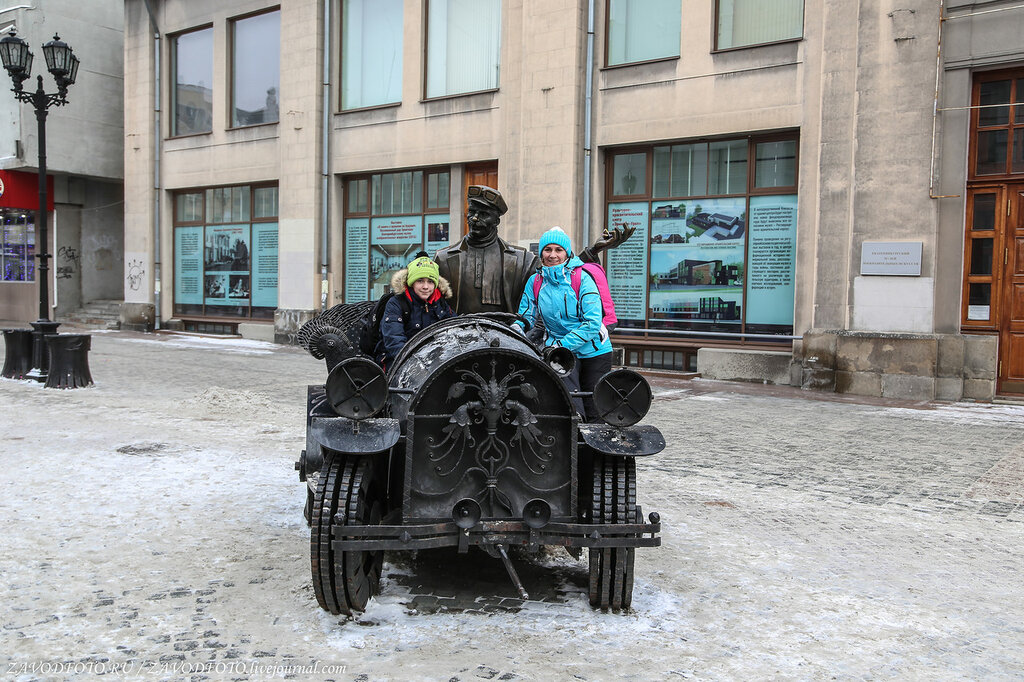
(372, 107)
(626, 65)
(439, 98)
(737, 48)
(189, 136)
(253, 126)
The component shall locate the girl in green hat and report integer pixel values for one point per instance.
(418, 302)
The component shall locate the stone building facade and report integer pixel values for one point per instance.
(813, 161)
(84, 158)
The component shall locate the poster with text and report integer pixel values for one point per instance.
(226, 254)
(357, 265)
(697, 261)
(188, 265)
(772, 260)
(393, 243)
(438, 233)
(264, 265)
(627, 264)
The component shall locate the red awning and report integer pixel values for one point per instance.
(21, 190)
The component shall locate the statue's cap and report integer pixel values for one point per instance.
(487, 196)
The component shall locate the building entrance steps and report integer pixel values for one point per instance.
(99, 314)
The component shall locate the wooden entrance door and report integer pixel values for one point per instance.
(478, 174)
(1011, 294)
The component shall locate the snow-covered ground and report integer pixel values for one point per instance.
(152, 526)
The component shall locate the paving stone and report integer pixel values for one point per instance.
(806, 535)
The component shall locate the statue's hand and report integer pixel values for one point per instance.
(611, 239)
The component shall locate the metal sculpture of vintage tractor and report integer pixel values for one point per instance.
(469, 439)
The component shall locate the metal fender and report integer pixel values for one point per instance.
(355, 437)
(622, 441)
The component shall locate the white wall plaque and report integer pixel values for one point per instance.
(891, 258)
(978, 312)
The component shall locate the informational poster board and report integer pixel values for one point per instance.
(188, 265)
(264, 265)
(226, 260)
(438, 232)
(772, 260)
(627, 264)
(697, 265)
(393, 242)
(357, 271)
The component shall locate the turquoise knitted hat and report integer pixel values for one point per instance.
(556, 236)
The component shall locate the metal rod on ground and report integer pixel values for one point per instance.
(512, 571)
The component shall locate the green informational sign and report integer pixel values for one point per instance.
(188, 265)
(771, 261)
(357, 271)
(264, 265)
(393, 243)
(627, 264)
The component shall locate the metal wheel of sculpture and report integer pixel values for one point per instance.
(613, 501)
(344, 581)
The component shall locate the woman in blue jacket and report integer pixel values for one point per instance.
(570, 321)
(418, 302)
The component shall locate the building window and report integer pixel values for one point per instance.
(642, 30)
(775, 164)
(388, 218)
(226, 252)
(742, 23)
(256, 69)
(371, 53)
(17, 258)
(714, 249)
(998, 122)
(463, 46)
(192, 95)
(629, 174)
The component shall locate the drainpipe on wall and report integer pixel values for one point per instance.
(586, 123)
(55, 247)
(935, 108)
(156, 165)
(325, 172)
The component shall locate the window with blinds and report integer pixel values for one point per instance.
(741, 23)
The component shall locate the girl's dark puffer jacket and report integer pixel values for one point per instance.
(394, 331)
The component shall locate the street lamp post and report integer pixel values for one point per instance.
(63, 64)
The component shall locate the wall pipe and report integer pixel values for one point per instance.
(935, 108)
(325, 173)
(156, 164)
(11, 9)
(55, 250)
(587, 156)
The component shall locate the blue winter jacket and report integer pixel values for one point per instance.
(572, 322)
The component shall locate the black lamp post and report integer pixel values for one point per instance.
(63, 64)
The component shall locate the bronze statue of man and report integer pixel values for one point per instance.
(486, 273)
